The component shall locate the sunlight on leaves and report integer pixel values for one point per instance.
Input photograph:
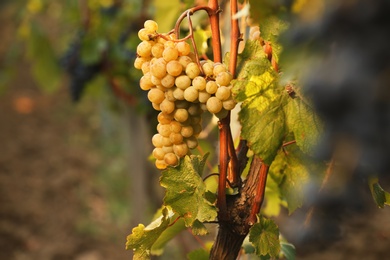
(261, 116)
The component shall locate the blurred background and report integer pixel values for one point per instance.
(75, 131)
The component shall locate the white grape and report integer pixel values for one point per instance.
(199, 83)
(157, 50)
(167, 106)
(223, 93)
(211, 87)
(157, 140)
(214, 105)
(183, 82)
(192, 70)
(174, 68)
(156, 96)
(180, 150)
(170, 53)
(183, 48)
(191, 94)
(180, 115)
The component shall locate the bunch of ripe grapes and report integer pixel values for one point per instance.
(182, 88)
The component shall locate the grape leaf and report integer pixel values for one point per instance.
(261, 116)
(186, 191)
(264, 236)
(304, 123)
(167, 235)
(142, 238)
(296, 175)
(198, 228)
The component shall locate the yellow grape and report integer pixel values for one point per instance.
(203, 96)
(157, 140)
(168, 81)
(180, 150)
(174, 68)
(183, 48)
(191, 142)
(151, 26)
(158, 153)
(145, 82)
(170, 53)
(229, 104)
(208, 69)
(223, 93)
(183, 82)
(218, 68)
(161, 164)
(175, 127)
(180, 115)
(187, 131)
(211, 87)
(191, 94)
(143, 34)
(156, 96)
(223, 78)
(157, 50)
(214, 105)
(167, 106)
(184, 61)
(164, 130)
(199, 83)
(175, 138)
(158, 68)
(178, 94)
(144, 49)
(164, 118)
(192, 70)
(171, 159)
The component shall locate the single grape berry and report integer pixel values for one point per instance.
(151, 26)
(214, 105)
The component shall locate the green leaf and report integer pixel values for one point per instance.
(265, 237)
(261, 116)
(199, 229)
(186, 191)
(167, 235)
(288, 250)
(291, 166)
(142, 238)
(380, 196)
(199, 254)
(304, 123)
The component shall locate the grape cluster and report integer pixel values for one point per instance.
(182, 89)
